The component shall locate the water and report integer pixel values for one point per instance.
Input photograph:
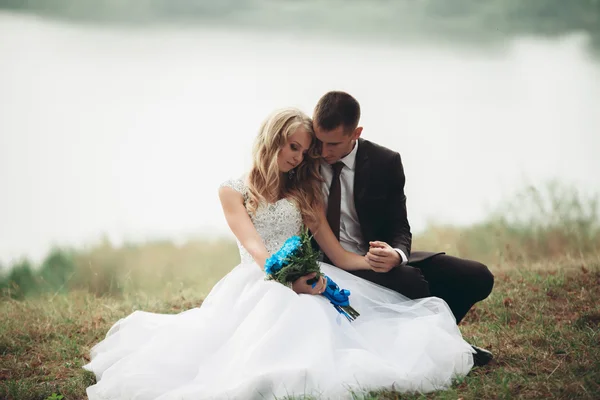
(128, 132)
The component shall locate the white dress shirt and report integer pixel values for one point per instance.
(351, 237)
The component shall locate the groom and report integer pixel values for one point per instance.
(366, 209)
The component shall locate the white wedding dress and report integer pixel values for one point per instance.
(257, 339)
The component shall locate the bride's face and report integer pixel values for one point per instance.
(293, 152)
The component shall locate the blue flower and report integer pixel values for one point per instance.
(280, 258)
(290, 246)
(271, 265)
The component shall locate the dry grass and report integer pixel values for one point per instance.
(541, 323)
(542, 320)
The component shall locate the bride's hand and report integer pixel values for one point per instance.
(301, 287)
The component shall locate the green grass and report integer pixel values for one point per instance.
(553, 222)
(542, 320)
(108, 270)
(542, 325)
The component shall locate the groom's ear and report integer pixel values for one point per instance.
(357, 133)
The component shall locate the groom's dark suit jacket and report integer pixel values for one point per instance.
(380, 200)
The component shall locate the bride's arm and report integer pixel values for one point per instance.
(242, 227)
(333, 249)
(240, 224)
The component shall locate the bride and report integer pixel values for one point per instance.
(253, 338)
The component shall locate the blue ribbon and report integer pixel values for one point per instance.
(338, 297)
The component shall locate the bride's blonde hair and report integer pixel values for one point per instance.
(267, 184)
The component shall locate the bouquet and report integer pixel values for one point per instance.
(297, 258)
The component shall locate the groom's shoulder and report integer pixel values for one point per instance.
(378, 151)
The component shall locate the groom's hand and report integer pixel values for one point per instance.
(382, 257)
(300, 286)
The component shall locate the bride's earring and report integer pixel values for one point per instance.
(291, 173)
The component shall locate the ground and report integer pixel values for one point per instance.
(541, 322)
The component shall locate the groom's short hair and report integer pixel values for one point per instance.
(337, 108)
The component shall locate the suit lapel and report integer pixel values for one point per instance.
(361, 174)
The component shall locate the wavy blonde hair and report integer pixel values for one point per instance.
(267, 184)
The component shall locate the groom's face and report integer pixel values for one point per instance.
(336, 143)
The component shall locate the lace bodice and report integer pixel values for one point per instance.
(274, 222)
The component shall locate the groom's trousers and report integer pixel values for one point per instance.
(461, 283)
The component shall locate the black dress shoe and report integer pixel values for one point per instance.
(481, 356)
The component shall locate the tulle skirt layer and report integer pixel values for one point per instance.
(253, 338)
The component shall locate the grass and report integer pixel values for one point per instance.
(108, 270)
(542, 325)
(542, 320)
(537, 224)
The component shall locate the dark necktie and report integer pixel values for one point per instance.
(335, 199)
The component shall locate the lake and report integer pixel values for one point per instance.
(127, 132)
